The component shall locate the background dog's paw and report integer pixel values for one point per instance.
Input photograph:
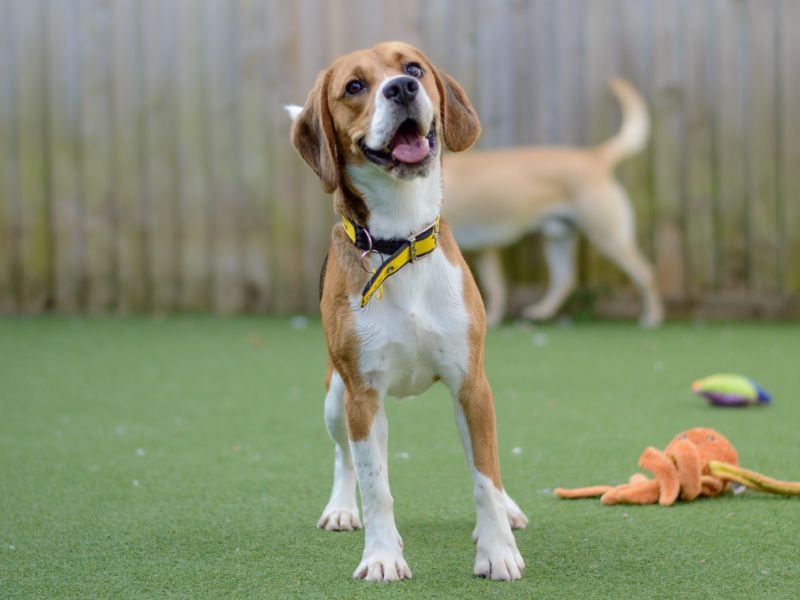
(383, 566)
(500, 561)
(651, 320)
(537, 312)
(339, 519)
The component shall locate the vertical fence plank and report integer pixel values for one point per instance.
(194, 213)
(128, 174)
(222, 86)
(96, 142)
(401, 22)
(525, 72)
(8, 161)
(730, 131)
(494, 63)
(788, 84)
(253, 54)
(762, 247)
(33, 145)
(699, 182)
(66, 148)
(433, 22)
(667, 147)
(463, 36)
(157, 31)
(570, 35)
(283, 88)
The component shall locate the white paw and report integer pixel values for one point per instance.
(516, 518)
(537, 312)
(651, 320)
(499, 560)
(339, 519)
(383, 566)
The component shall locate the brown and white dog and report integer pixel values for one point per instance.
(372, 129)
(495, 197)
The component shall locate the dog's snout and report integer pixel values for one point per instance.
(401, 90)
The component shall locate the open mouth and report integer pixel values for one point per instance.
(407, 146)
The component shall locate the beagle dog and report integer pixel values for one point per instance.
(400, 308)
(495, 197)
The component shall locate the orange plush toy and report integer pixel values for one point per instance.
(698, 462)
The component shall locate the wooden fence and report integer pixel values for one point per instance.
(145, 166)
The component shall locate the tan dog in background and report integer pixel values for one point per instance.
(495, 197)
(372, 129)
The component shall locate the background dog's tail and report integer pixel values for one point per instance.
(632, 135)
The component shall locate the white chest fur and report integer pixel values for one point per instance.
(417, 331)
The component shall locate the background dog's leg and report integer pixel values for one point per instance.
(341, 512)
(560, 244)
(490, 274)
(496, 512)
(611, 228)
(383, 548)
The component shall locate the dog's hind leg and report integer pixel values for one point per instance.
(341, 512)
(611, 228)
(490, 273)
(560, 244)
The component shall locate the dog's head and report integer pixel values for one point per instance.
(387, 106)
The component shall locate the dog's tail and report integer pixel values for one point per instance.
(293, 110)
(635, 130)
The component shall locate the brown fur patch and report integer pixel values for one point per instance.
(360, 407)
(343, 277)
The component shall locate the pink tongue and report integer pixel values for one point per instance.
(409, 148)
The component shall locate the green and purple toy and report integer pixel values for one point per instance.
(725, 389)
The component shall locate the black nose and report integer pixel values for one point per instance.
(401, 90)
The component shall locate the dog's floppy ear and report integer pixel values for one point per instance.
(313, 136)
(459, 119)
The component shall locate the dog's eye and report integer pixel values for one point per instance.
(414, 70)
(355, 87)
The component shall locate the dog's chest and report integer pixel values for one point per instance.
(417, 332)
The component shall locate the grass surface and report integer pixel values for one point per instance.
(186, 457)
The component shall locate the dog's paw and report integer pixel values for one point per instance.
(651, 320)
(499, 560)
(383, 566)
(537, 312)
(516, 518)
(339, 519)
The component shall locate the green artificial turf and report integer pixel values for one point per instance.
(187, 457)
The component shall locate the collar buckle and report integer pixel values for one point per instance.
(412, 248)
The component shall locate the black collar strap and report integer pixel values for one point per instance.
(401, 251)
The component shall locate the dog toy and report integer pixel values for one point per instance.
(697, 462)
(730, 390)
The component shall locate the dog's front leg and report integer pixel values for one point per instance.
(497, 556)
(383, 548)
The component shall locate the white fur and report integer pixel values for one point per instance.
(382, 559)
(341, 512)
(294, 110)
(497, 556)
(398, 208)
(389, 115)
(418, 329)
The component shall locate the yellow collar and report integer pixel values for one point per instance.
(401, 252)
